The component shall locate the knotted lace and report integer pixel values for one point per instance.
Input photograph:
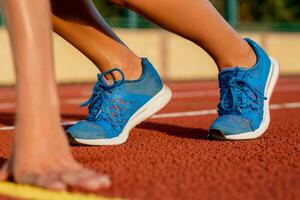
(102, 95)
(237, 94)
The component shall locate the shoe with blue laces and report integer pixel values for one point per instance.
(114, 109)
(244, 98)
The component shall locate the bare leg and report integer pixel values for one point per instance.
(80, 24)
(198, 21)
(40, 155)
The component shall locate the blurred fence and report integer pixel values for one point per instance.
(175, 58)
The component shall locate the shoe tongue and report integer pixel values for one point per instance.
(224, 78)
(226, 74)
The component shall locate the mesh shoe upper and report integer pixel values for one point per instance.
(111, 106)
(242, 97)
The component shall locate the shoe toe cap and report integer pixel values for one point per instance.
(87, 130)
(231, 125)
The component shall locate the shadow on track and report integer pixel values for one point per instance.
(7, 118)
(2, 161)
(173, 130)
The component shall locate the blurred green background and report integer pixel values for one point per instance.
(249, 15)
(265, 15)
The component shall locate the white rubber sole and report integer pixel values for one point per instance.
(272, 79)
(151, 107)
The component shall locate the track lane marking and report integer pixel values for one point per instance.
(290, 105)
(213, 111)
(209, 93)
(176, 95)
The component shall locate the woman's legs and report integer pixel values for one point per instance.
(198, 21)
(40, 155)
(79, 23)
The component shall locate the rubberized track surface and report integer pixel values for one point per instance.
(169, 157)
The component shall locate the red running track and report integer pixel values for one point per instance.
(170, 157)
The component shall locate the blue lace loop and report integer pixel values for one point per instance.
(237, 89)
(101, 93)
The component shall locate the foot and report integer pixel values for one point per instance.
(115, 109)
(47, 162)
(245, 96)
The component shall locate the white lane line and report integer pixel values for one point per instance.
(176, 95)
(7, 105)
(285, 105)
(215, 92)
(185, 114)
(186, 94)
(196, 93)
(7, 128)
(213, 111)
(291, 105)
(211, 93)
(74, 101)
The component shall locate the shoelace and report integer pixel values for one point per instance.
(238, 90)
(101, 93)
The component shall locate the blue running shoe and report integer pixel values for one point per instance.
(244, 98)
(114, 109)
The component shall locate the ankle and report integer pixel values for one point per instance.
(131, 68)
(245, 58)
